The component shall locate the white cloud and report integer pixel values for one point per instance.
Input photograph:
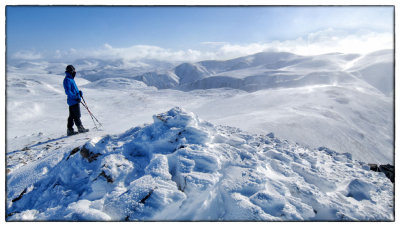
(27, 55)
(331, 40)
(320, 42)
(133, 53)
(108, 46)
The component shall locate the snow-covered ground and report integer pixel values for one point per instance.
(183, 168)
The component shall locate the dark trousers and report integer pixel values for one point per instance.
(74, 116)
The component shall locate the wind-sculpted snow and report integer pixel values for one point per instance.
(184, 168)
(376, 69)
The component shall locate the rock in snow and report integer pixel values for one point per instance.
(183, 168)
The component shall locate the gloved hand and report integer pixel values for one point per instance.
(80, 93)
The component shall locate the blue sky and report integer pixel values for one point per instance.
(47, 29)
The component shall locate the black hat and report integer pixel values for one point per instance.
(70, 69)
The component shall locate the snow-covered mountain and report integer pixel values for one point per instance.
(183, 168)
(340, 102)
(274, 70)
(328, 100)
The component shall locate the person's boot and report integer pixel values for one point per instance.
(71, 132)
(82, 129)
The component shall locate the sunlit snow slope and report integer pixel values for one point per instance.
(184, 168)
(341, 101)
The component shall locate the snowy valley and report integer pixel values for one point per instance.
(271, 136)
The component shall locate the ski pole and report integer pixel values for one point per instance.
(90, 115)
(86, 106)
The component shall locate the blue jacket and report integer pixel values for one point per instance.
(71, 90)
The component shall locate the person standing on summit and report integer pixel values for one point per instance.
(73, 99)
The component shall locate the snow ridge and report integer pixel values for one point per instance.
(183, 168)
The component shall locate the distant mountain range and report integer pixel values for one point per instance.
(263, 70)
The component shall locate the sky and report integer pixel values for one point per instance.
(193, 33)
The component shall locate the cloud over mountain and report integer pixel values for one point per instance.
(319, 42)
